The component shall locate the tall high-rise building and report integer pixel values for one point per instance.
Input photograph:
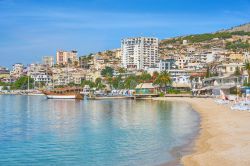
(48, 61)
(140, 53)
(66, 57)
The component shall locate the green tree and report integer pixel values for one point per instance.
(87, 82)
(237, 45)
(118, 82)
(22, 83)
(107, 72)
(130, 82)
(144, 77)
(115, 82)
(5, 87)
(72, 84)
(247, 68)
(163, 80)
(99, 84)
(98, 80)
(109, 81)
(2, 83)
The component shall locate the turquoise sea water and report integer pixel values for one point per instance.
(37, 131)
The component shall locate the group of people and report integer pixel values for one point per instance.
(237, 103)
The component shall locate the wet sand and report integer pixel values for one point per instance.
(224, 138)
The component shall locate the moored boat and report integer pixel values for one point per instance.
(64, 93)
(86, 90)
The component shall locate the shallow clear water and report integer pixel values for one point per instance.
(37, 131)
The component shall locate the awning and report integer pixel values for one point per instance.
(145, 86)
(181, 85)
(217, 87)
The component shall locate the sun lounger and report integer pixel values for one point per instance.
(221, 101)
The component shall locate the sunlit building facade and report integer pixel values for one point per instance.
(139, 53)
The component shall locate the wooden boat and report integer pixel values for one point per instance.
(64, 93)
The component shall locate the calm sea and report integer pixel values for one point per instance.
(37, 131)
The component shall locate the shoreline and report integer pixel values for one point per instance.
(185, 149)
(224, 137)
(179, 152)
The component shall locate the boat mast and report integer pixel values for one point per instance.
(28, 83)
(47, 75)
(53, 80)
(68, 72)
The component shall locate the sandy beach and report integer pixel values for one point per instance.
(224, 138)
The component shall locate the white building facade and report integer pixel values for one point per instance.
(66, 57)
(41, 77)
(139, 53)
(17, 70)
(48, 61)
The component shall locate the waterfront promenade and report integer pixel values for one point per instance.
(224, 137)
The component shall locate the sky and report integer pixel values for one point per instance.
(31, 29)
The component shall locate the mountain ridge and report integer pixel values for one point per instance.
(243, 27)
(241, 30)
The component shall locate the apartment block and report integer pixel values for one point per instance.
(17, 70)
(66, 58)
(139, 53)
(48, 61)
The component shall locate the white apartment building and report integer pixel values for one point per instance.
(228, 69)
(48, 61)
(207, 57)
(41, 77)
(139, 53)
(17, 70)
(194, 66)
(35, 68)
(66, 57)
(181, 61)
(64, 76)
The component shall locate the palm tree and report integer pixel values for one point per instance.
(116, 82)
(98, 80)
(98, 83)
(130, 82)
(163, 80)
(145, 77)
(247, 68)
(154, 76)
(109, 81)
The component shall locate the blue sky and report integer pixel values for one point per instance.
(30, 29)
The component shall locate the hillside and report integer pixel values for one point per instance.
(224, 34)
(244, 27)
(235, 39)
